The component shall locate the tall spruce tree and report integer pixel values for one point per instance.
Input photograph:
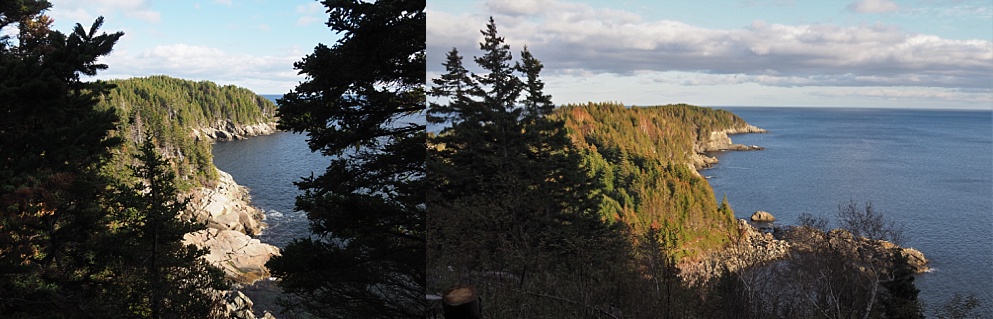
(362, 104)
(508, 192)
(53, 144)
(155, 275)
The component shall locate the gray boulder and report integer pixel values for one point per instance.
(763, 216)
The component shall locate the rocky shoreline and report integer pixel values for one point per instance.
(224, 130)
(719, 141)
(755, 248)
(232, 222)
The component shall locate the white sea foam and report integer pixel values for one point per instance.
(273, 213)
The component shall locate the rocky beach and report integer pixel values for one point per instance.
(232, 222)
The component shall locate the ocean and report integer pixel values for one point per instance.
(929, 171)
(268, 165)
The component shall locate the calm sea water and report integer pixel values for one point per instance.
(268, 165)
(930, 171)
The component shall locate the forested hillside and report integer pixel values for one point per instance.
(171, 110)
(547, 209)
(641, 157)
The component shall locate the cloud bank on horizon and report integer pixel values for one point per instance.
(882, 53)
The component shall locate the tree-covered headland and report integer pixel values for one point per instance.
(171, 110)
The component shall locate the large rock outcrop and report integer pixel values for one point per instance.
(226, 206)
(231, 221)
(238, 306)
(227, 130)
(241, 257)
(763, 216)
(751, 248)
(720, 141)
(755, 248)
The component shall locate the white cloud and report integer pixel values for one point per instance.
(86, 11)
(310, 8)
(570, 37)
(224, 2)
(264, 74)
(311, 13)
(264, 27)
(306, 20)
(873, 6)
(518, 7)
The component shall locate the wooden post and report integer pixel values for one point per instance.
(462, 302)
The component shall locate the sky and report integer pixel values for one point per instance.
(842, 53)
(854, 53)
(248, 43)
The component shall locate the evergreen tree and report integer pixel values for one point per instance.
(155, 275)
(363, 105)
(508, 192)
(458, 87)
(54, 143)
(536, 104)
(503, 88)
(900, 298)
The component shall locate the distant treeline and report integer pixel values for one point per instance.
(169, 109)
(642, 157)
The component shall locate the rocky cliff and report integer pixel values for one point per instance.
(721, 141)
(226, 206)
(223, 130)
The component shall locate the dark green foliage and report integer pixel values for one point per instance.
(362, 104)
(153, 274)
(899, 300)
(662, 293)
(511, 207)
(53, 144)
(728, 297)
(71, 244)
(170, 109)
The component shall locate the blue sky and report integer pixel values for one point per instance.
(850, 53)
(249, 43)
(861, 53)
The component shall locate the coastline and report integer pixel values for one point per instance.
(233, 222)
(233, 227)
(756, 247)
(720, 141)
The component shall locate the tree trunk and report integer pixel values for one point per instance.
(462, 302)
